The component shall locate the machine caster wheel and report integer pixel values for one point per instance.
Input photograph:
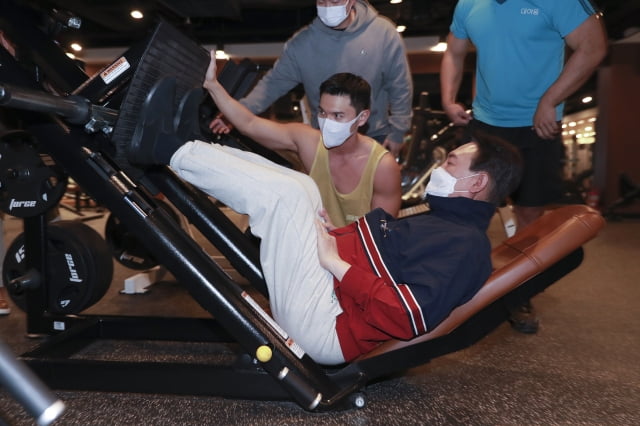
(358, 400)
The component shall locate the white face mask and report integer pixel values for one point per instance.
(335, 133)
(332, 16)
(442, 183)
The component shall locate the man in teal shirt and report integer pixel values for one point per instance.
(522, 80)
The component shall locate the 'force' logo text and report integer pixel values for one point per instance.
(74, 277)
(19, 204)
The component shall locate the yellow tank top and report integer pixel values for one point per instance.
(345, 208)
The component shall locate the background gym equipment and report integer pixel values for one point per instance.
(79, 268)
(433, 136)
(260, 361)
(30, 182)
(126, 248)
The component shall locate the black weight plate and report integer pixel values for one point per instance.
(30, 182)
(79, 267)
(126, 248)
(97, 254)
(14, 266)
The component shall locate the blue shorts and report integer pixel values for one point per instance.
(542, 181)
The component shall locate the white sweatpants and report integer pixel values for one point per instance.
(282, 205)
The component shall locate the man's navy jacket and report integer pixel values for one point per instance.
(408, 274)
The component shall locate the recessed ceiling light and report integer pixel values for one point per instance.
(136, 14)
(221, 54)
(440, 47)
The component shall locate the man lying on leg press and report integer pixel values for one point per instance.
(340, 293)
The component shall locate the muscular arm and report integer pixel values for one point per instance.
(283, 77)
(387, 192)
(270, 134)
(399, 85)
(400, 95)
(451, 72)
(589, 45)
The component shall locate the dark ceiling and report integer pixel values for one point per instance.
(107, 23)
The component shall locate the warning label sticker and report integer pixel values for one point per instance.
(115, 70)
(289, 342)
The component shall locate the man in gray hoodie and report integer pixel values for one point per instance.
(346, 36)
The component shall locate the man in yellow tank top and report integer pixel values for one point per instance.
(353, 172)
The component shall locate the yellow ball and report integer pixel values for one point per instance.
(264, 353)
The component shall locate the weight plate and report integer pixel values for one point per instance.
(30, 182)
(126, 248)
(79, 267)
(96, 254)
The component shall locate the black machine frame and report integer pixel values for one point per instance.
(90, 146)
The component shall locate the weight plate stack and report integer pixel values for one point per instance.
(79, 267)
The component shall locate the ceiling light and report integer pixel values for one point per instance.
(136, 14)
(395, 1)
(401, 28)
(221, 54)
(76, 47)
(587, 99)
(440, 47)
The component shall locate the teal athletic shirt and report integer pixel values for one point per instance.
(520, 45)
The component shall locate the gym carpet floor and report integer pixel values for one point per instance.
(582, 367)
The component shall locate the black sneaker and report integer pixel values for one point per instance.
(156, 120)
(523, 318)
(187, 118)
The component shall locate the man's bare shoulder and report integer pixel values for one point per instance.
(306, 140)
(388, 164)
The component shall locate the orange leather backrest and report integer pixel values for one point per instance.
(516, 260)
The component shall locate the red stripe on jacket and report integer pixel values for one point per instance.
(375, 308)
(413, 308)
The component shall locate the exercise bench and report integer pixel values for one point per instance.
(528, 262)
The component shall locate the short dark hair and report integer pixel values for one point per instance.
(347, 84)
(501, 161)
